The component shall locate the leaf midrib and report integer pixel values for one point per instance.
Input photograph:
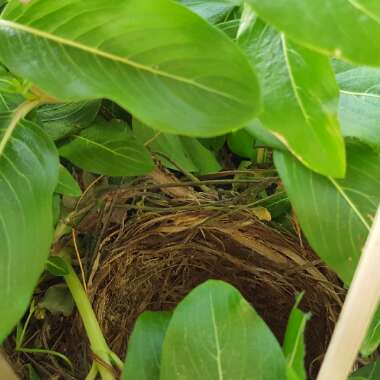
(293, 81)
(104, 147)
(350, 203)
(362, 9)
(115, 58)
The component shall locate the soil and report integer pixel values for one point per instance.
(144, 249)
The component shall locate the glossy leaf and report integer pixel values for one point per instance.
(300, 98)
(144, 347)
(182, 152)
(61, 120)
(212, 10)
(108, 149)
(67, 184)
(315, 25)
(28, 176)
(359, 110)
(368, 372)
(335, 215)
(294, 345)
(163, 63)
(215, 334)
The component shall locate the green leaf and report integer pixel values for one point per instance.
(57, 266)
(372, 339)
(264, 135)
(335, 215)
(144, 347)
(108, 149)
(214, 143)
(300, 98)
(314, 24)
(215, 334)
(241, 143)
(67, 184)
(61, 120)
(359, 110)
(28, 176)
(58, 300)
(294, 345)
(187, 152)
(369, 372)
(32, 373)
(212, 10)
(163, 63)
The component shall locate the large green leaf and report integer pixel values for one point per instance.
(61, 120)
(300, 98)
(157, 59)
(215, 334)
(294, 345)
(359, 110)
(144, 347)
(28, 176)
(186, 152)
(108, 149)
(335, 215)
(341, 28)
(369, 372)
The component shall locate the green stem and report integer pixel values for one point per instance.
(97, 341)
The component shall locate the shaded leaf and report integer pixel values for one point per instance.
(32, 373)
(372, 340)
(368, 372)
(57, 266)
(300, 98)
(264, 135)
(212, 10)
(359, 110)
(186, 152)
(108, 149)
(61, 120)
(294, 344)
(241, 143)
(215, 334)
(214, 143)
(28, 176)
(144, 346)
(163, 63)
(335, 215)
(314, 24)
(67, 185)
(58, 300)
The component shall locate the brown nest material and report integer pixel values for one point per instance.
(147, 251)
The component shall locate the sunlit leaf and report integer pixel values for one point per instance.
(215, 334)
(300, 98)
(157, 59)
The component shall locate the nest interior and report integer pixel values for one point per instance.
(146, 250)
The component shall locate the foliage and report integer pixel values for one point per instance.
(213, 332)
(277, 74)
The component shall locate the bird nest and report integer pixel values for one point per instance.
(146, 245)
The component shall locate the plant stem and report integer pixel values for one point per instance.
(97, 341)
